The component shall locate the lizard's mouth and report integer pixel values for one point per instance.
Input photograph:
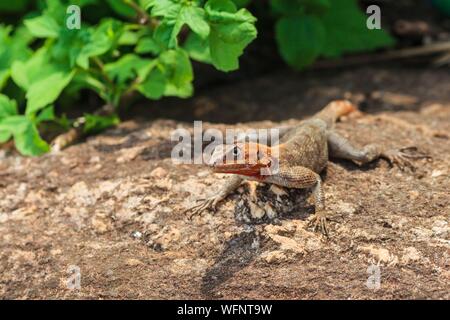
(241, 169)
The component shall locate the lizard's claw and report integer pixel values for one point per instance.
(206, 204)
(402, 157)
(319, 223)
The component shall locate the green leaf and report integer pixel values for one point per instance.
(231, 32)
(45, 91)
(347, 32)
(5, 136)
(8, 126)
(300, 39)
(121, 8)
(57, 10)
(95, 124)
(4, 76)
(154, 86)
(26, 136)
(12, 48)
(25, 73)
(128, 38)
(47, 114)
(68, 46)
(148, 45)
(175, 16)
(8, 107)
(129, 67)
(85, 80)
(194, 17)
(198, 48)
(178, 71)
(103, 39)
(14, 124)
(29, 143)
(43, 27)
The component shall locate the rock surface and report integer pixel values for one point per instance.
(112, 208)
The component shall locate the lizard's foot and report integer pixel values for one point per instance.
(319, 223)
(206, 204)
(402, 157)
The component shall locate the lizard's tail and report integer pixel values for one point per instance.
(334, 110)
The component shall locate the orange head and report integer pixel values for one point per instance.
(244, 158)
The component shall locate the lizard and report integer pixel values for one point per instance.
(303, 152)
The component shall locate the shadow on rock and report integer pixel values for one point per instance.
(239, 252)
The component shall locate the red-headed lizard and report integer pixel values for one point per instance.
(302, 153)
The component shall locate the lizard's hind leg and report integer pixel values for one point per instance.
(340, 147)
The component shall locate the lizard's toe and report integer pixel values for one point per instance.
(402, 157)
(319, 224)
(413, 153)
(206, 204)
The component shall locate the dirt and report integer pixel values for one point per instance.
(112, 207)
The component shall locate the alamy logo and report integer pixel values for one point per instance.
(374, 280)
(239, 147)
(73, 20)
(74, 280)
(374, 21)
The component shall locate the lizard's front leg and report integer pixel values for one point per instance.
(211, 203)
(302, 178)
(340, 147)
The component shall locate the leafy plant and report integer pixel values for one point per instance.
(308, 29)
(139, 48)
(126, 48)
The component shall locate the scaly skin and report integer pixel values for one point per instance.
(303, 153)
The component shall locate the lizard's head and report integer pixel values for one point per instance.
(244, 158)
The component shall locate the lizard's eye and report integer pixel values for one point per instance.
(236, 151)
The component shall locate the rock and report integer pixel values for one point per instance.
(95, 159)
(81, 194)
(189, 266)
(413, 194)
(22, 257)
(256, 211)
(346, 208)
(440, 228)
(133, 202)
(437, 173)
(167, 237)
(276, 256)
(164, 184)
(203, 173)
(278, 191)
(313, 244)
(107, 186)
(133, 262)
(129, 154)
(290, 239)
(288, 244)
(270, 212)
(158, 173)
(410, 254)
(422, 234)
(446, 275)
(379, 254)
(136, 234)
(100, 223)
(55, 252)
